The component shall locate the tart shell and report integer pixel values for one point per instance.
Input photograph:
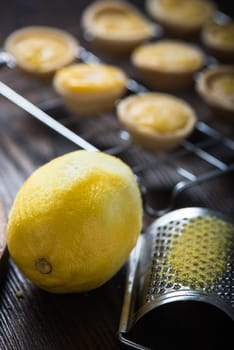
(166, 78)
(219, 50)
(69, 54)
(217, 104)
(89, 103)
(122, 45)
(174, 28)
(151, 139)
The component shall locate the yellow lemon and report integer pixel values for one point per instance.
(75, 221)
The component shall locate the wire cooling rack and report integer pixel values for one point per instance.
(206, 155)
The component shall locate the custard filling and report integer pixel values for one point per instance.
(40, 50)
(222, 34)
(161, 115)
(169, 55)
(193, 12)
(224, 87)
(116, 22)
(90, 78)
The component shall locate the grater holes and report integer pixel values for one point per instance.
(208, 265)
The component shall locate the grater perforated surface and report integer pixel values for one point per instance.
(186, 258)
(193, 254)
(189, 254)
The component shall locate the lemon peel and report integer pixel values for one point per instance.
(75, 221)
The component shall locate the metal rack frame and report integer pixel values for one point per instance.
(200, 149)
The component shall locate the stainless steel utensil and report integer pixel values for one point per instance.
(184, 258)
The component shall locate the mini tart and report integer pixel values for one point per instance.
(219, 40)
(41, 50)
(181, 18)
(156, 121)
(116, 26)
(216, 86)
(90, 89)
(167, 64)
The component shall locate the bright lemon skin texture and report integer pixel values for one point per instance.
(75, 221)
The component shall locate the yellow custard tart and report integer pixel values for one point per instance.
(219, 40)
(216, 86)
(181, 17)
(167, 64)
(156, 121)
(90, 89)
(116, 26)
(41, 50)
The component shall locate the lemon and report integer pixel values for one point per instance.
(75, 221)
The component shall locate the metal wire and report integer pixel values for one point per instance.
(212, 138)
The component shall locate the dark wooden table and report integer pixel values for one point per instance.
(31, 319)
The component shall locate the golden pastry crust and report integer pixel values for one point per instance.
(216, 86)
(219, 40)
(116, 26)
(167, 64)
(156, 121)
(90, 89)
(181, 17)
(42, 50)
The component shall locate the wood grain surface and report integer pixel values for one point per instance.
(3, 244)
(31, 319)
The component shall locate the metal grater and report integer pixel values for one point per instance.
(156, 294)
(183, 263)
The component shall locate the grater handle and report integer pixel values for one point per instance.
(183, 185)
(126, 319)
